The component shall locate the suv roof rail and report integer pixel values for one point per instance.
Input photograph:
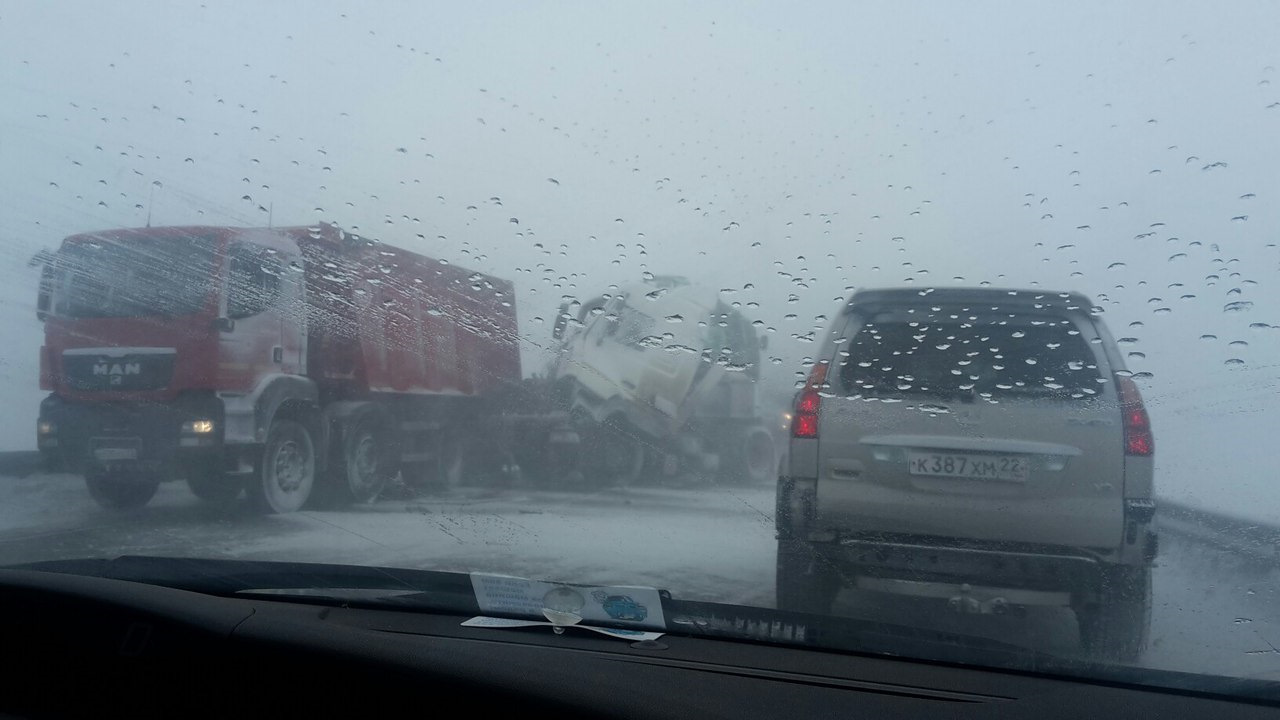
(1021, 298)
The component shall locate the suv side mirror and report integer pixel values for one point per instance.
(224, 324)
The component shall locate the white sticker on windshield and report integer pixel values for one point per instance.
(506, 595)
(622, 633)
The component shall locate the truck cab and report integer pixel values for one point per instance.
(163, 348)
(269, 361)
(664, 375)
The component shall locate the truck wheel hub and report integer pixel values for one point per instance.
(289, 469)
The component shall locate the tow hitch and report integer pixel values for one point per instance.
(966, 604)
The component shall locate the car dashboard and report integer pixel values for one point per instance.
(80, 646)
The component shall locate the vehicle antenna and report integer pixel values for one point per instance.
(271, 208)
(150, 198)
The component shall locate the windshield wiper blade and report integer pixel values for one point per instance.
(453, 592)
(230, 577)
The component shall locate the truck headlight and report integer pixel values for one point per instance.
(197, 427)
(44, 427)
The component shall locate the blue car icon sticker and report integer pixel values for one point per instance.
(620, 607)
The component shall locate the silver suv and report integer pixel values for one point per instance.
(983, 447)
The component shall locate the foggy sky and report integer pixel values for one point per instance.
(772, 150)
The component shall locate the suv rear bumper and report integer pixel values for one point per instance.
(925, 561)
(968, 598)
(985, 578)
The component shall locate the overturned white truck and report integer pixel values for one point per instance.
(660, 380)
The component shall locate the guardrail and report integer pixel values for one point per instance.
(20, 463)
(1236, 535)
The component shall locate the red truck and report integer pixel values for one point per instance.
(301, 364)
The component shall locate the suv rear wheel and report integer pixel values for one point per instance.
(804, 581)
(1116, 628)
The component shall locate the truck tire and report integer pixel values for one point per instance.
(804, 582)
(367, 461)
(211, 484)
(122, 489)
(753, 460)
(1117, 627)
(285, 474)
(617, 454)
(444, 469)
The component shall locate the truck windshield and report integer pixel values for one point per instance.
(134, 276)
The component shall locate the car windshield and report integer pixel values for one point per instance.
(958, 318)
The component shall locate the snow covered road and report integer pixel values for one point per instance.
(1214, 612)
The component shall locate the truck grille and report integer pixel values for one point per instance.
(149, 370)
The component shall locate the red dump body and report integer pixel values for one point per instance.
(387, 320)
(360, 317)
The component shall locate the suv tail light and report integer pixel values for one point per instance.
(1137, 426)
(804, 422)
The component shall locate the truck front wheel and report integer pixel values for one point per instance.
(752, 459)
(122, 489)
(286, 472)
(618, 453)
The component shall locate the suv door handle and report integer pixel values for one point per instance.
(844, 469)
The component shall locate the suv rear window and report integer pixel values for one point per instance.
(891, 356)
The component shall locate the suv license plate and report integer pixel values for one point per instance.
(976, 467)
